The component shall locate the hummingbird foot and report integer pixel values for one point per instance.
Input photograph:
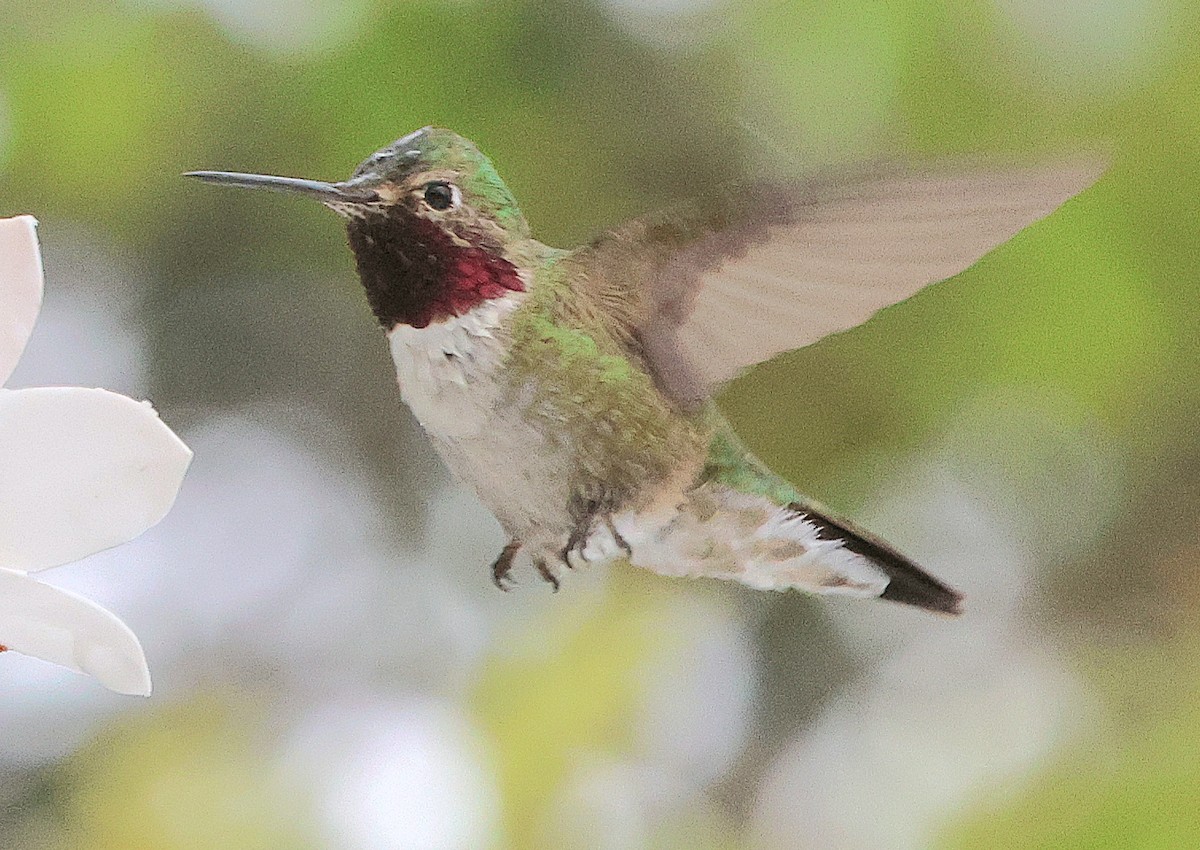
(546, 573)
(583, 536)
(502, 566)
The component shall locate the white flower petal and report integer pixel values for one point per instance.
(20, 288)
(80, 470)
(58, 626)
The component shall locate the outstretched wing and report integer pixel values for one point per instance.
(733, 279)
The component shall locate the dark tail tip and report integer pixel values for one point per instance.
(908, 584)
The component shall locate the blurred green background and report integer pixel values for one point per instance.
(332, 666)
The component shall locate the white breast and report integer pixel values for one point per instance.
(447, 370)
(449, 374)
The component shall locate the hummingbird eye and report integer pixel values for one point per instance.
(440, 195)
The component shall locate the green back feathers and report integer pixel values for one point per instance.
(586, 374)
(624, 432)
(730, 463)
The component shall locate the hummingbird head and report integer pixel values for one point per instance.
(438, 175)
(432, 226)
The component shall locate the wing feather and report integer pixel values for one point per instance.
(745, 274)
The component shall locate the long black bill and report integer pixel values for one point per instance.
(325, 192)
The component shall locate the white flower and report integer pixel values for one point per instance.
(80, 470)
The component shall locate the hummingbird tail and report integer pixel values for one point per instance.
(907, 583)
(820, 532)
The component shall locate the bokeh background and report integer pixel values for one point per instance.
(333, 668)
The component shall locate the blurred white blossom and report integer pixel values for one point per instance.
(668, 24)
(405, 774)
(285, 26)
(1085, 46)
(696, 703)
(950, 717)
(80, 470)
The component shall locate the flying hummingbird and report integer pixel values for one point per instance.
(572, 388)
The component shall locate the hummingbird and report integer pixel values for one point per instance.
(573, 389)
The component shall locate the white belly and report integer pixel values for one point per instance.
(450, 376)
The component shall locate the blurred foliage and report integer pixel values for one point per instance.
(186, 776)
(1130, 789)
(103, 104)
(578, 686)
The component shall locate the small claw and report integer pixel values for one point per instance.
(503, 565)
(617, 538)
(581, 548)
(574, 546)
(545, 572)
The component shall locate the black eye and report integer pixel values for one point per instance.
(439, 195)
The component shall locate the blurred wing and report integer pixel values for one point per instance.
(737, 278)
